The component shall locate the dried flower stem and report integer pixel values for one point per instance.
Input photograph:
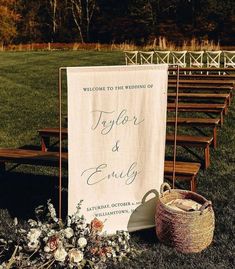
(50, 262)
(12, 259)
(32, 254)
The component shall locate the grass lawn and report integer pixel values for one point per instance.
(29, 101)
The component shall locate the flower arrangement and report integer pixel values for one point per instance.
(49, 243)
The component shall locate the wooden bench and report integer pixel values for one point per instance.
(183, 171)
(214, 82)
(46, 133)
(205, 70)
(204, 76)
(196, 141)
(201, 87)
(33, 157)
(193, 141)
(200, 107)
(210, 96)
(198, 122)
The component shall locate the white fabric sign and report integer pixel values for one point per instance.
(116, 142)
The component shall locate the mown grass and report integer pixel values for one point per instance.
(29, 100)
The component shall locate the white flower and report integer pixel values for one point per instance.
(15, 221)
(60, 254)
(51, 233)
(68, 233)
(33, 234)
(68, 221)
(47, 249)
(52, 211)
(75, 255)
(3, 265)
(122, 254)
(33, 245)
(32, 223)
(82, 242)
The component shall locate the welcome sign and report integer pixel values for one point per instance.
(116, 142)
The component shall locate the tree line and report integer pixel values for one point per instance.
(136, 21)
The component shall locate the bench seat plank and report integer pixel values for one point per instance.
(204, 76)
(211, 96)
(201, 87)
(198, 122)
(193, 141)
(183, 170)
(190, 139)
(34, 157)
(213, 82)
(200, 107)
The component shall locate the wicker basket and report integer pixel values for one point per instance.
(187, 232)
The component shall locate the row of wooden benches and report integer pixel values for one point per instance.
(184, 170)
(184, 140)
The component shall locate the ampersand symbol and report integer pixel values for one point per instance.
(116, 147)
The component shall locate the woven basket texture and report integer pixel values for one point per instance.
(187, 232)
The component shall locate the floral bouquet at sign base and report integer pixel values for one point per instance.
(49, 243)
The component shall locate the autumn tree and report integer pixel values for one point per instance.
(8, 20)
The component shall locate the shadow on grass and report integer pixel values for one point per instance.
(147, 236)
(21, 193)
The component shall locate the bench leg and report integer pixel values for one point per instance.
(214, 137)
(231, 96)
(193, 184)
(45, 142)
(207, 156)
(221, 118)
(226, 109)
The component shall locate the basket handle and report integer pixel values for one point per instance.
(163, 186)
(205, 205)
(147, 193)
